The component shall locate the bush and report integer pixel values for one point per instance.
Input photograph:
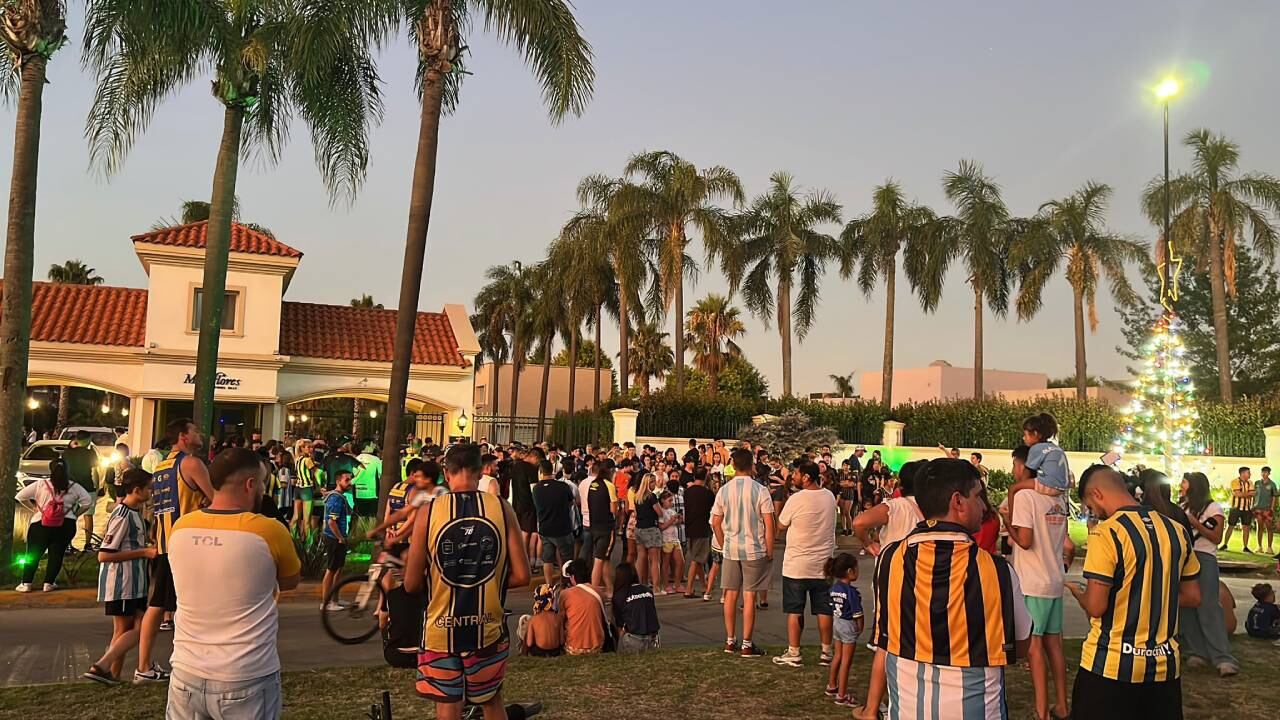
(855, 422)
(589, 428)
(1086, 425)
(671, 414)
(790, 435)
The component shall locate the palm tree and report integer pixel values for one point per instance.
(547, 36)
(873, 242)
(365, 301)
(70, 272)
(194, 211)
(271, 60)
(1213, 206)
(780, 245)
(505, 304)
(31, 31)
(710, 329)
(588, 250)
(978, 236)
(651, 357)
(671, 195)
(844, 384)
(74, 272)
(1071, 230)
(625, 247)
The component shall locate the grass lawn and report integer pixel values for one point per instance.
(680, 683)
(1079, 533)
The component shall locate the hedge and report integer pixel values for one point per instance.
(1229, 429)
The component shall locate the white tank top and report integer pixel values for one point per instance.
(904, 515)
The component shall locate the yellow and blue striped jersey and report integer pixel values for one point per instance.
(171, 497)
(1143, 556)
(467, 572)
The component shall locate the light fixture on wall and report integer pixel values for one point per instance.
(124, 412)
(305, 418)
(293, 419)
(373, 413)
(462, 422)
(105, 408)
(33, 404)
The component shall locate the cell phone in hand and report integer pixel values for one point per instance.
(1111, 458)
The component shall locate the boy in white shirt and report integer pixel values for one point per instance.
(1037, 524)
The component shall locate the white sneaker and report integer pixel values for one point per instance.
(23, 588)
(333, 607)
(50, 587)
(788, 658)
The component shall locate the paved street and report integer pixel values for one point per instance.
(54, 645)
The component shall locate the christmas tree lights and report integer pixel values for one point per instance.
(1162, 425)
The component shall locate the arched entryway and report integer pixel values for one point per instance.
(360, 415)
(55, 402)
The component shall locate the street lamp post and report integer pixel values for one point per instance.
(1164, 92)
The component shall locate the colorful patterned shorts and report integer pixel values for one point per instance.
(475, 677)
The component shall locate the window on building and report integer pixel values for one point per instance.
(229, 306)
(480, 395)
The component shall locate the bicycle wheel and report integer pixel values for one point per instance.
(351, 622)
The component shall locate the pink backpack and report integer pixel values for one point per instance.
(54, 513)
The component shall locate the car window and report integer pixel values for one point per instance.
(103, 439)
(44, 452)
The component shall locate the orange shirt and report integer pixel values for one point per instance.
(621, 480)
(583, 620)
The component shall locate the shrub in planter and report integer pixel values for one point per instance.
(790, 435)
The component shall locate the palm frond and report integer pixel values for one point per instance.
(548, 37)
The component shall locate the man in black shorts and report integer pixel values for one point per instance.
(602, 503)
(337, 519)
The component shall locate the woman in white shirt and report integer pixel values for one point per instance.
(1204, 631)
(38, 496)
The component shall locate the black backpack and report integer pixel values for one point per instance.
(402, 635)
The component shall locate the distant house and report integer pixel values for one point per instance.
(942, 381)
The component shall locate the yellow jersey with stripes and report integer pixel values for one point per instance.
(396, 499)
(1143, 556)
(467, 572)
(172, 496)
(942, 600)
(306, 472)
(1244, 487)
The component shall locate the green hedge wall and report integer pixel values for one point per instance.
(1232, 429)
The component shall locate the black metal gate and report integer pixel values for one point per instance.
(330, 426)
(427, 427)
(499, 429)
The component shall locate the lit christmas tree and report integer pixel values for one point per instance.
(1162, 424)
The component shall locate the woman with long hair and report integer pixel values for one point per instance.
(304, 474)
(1204, 630)
(286, 484)
(1157, 495)
(648, 535)
(54, 503)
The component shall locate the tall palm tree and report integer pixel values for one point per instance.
(873, 242)
(978, 236)
(780, 244)
(546, 34)
(1072, 231)
(545, 320)
(581, 264)
(365, 301)
(74, 272)
(31, 31)
(844, 384)
(70, 272)
(710, 328)
(668, 195)
(505, 302)
(651, 357)
(194, 211)
(587, 247)
(1213, 206)
(271, 60)
(625, 247)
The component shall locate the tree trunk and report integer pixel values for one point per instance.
(64, 406)
(596, 404)
(517, 362)
(886, 366)
(713, 381)
(1218, 296)
(15, 308)
(546, 382)
(216, 250)
(357, 419)
(1082, 372)
(493, 404)
(415, 250)
(977, 341)
(624, 331)
(784, 329)
(679, 332)
(573, 380)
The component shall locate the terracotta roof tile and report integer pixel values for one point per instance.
(243, 239)
(341, 332)
(88, 314)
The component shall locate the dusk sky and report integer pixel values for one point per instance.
(841, 94)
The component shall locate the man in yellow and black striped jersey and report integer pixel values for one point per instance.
(952, 615)
(1139, 569)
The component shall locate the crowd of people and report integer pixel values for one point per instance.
(961, 588)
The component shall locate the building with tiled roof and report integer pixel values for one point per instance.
(140, 343)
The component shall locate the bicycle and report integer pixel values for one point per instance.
(359, 599)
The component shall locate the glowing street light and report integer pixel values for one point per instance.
(124, 412)
(105, 408)
(373, 413)
(305, 418)
(33, 404)
(1167, 89)
(293, 418)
